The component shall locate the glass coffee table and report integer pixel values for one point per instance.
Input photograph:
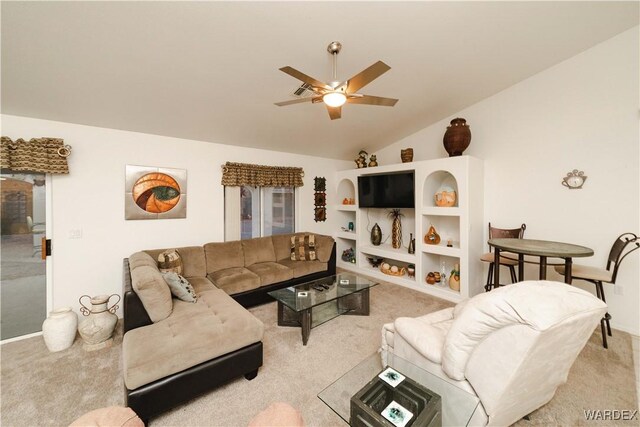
(458, 405)
(312, 303)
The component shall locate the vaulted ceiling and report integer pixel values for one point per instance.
(209, 70)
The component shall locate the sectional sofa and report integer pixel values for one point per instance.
(174, 350)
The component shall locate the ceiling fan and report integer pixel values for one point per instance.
(335, 93)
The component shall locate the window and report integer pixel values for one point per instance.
(258, 211)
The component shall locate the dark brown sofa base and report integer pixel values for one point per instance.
(159, 396)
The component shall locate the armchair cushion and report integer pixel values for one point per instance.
(538, 304)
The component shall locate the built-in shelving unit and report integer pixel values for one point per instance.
(461, 224)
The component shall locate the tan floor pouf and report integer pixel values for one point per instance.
(113, 416)
(278, 414)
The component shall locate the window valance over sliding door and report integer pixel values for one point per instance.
(239, 174)
(44, 155)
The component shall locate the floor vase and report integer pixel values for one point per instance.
(99, 322)
(59, 329)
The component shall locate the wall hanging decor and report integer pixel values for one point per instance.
(574, 180)
(320, 198)
(44, 155)
(155, 193)
(406, 155)
(457, 137)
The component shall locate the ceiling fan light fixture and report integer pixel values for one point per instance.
(334, 99)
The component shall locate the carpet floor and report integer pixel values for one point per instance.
(39, 388)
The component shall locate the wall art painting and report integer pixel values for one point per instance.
(155, 193)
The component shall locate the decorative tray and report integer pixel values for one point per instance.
(401, 271)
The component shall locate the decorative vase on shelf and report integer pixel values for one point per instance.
(59, 329)
(406, 155)
(396, 228)
(432, 237)
(412, 244)
(446, 197)
(457, 137)
(454, 279)
(99, 322)
(376, 235)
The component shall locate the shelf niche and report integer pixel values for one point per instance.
(346, 190)
(435, 183)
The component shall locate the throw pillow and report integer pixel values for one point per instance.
(170, 261)
(180, 287)
(303, 248)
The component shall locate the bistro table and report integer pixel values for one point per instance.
(541, 248)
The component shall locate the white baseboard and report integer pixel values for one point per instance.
(20, 338)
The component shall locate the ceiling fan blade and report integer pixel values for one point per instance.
(304, 78)
(366, 76)
(296, 101)
(373, 100)
(334, 112)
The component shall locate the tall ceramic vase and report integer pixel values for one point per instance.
(457, 137)
(396, 228)
(376, 235)
(59, 329)
(99, 322)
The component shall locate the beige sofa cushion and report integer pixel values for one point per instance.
(193, 334)
(223, 255)
(302, 268)
(258, 250)
(201, 284)
(150, 286)
(324, 246)
(141, 258)
(282, 246)
(271, 272)
(193, 261)
(235, 280)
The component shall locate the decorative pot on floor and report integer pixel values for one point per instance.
(100, 321)
(457, 137)
(59, 329)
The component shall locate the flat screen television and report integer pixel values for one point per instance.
(394, 190)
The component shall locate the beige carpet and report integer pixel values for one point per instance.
(44, 389)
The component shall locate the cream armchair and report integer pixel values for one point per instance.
(512, 347)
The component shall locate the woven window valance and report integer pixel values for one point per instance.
(238, 174)
(44, 155)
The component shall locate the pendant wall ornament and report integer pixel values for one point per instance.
(320, 199)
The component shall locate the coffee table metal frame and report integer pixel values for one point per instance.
(306, 307)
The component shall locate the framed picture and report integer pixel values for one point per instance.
(320, 199)
(155, 193)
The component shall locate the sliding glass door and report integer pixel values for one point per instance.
(23, 287)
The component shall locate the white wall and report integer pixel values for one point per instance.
(580, 114)
(91, 198)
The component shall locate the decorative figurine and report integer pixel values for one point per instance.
(411, 270)
(361, 160)
(376, 235)
(449, 243)
(372, 161)
(350, 226)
